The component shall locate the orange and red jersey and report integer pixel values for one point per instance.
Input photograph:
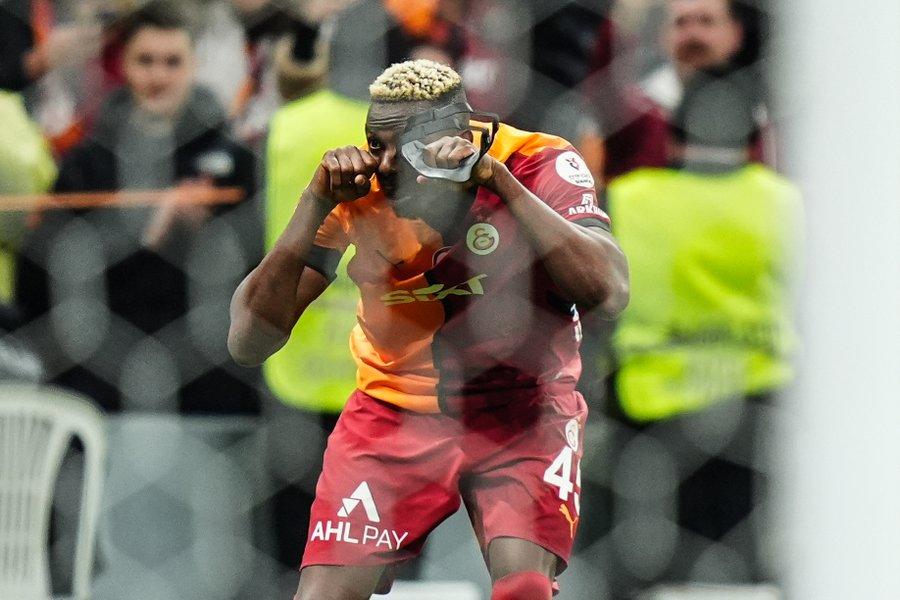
(473, 321)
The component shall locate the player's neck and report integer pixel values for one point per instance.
(450, 224)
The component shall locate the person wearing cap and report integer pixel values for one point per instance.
(705, 346)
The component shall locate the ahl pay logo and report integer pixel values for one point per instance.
(361, 494)
(347, 532)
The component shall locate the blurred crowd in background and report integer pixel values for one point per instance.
(151, 151)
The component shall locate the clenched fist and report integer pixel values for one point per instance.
(450, 152)
(344, 175)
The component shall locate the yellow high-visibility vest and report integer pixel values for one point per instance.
(712, 259)
(26, 167)
(314, 370)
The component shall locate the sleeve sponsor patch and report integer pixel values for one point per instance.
(588, 206)
(571, 167)
(563, 181)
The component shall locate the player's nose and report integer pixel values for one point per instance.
(387, 163)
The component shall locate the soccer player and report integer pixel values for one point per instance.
(467, 337)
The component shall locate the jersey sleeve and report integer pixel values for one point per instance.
(561, 178)
(333, 232)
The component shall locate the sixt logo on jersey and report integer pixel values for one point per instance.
(436, 292)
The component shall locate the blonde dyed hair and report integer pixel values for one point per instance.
(415, 80)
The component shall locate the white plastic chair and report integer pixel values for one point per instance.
(36, 426)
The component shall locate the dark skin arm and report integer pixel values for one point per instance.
(267, 304)
(585, 263)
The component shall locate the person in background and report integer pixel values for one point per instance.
(267, 26)
(562, 38)
(562, 50)
(284, 48)
(37, 54)
(424, 30)
(70, 101)
(26, 167)
(311, 376)
(378, 33)
(556, 41)
(147, 283)
(17, 57)
(705, 346)
(496, 43)
(697, 34)
(282, 39)
(29, 49)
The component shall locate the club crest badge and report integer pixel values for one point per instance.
(482, 239)
(572, 434)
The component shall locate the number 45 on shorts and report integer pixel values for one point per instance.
(559, 473)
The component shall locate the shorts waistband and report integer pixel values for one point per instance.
(461, 404)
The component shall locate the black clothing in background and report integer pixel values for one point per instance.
(134, 327)
(563, 36)
(16, 40)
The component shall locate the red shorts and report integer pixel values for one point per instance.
(391, 476)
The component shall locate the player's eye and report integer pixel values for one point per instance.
(374, 144)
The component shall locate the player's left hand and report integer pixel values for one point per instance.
(450, 151)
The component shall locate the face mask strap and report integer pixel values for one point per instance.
(487, 134)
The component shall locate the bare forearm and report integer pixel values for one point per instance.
(586, 265)
(271, 289)
(251, 339)
(266, 305)
(269, 301)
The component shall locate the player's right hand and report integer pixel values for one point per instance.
(344, 175)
